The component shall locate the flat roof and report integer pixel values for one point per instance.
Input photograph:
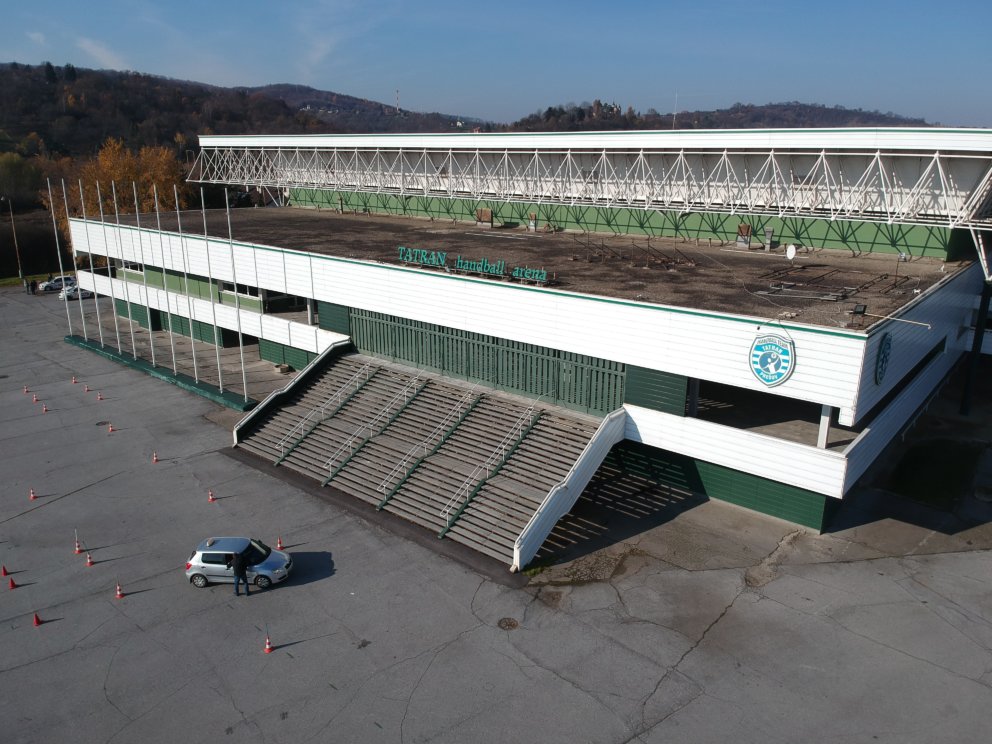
(819, 287)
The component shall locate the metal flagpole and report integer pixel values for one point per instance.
(58, 249)
(144, 273)
(89, 250)
(213, 304)
(110, 278)
(82, 318)
(237, 302)
(189, 309)
(165, 280)
(182, 248)
(127, 287)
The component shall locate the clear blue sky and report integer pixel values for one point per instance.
(506, 59)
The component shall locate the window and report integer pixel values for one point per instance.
(241, 289)
(132, 266)
(215, 559)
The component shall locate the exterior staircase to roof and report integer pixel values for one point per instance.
(472, 465)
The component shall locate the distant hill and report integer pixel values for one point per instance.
(68, 111)
(598, 116)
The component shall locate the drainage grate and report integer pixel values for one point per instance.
(508, 623)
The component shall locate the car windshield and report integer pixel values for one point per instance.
(256, 552)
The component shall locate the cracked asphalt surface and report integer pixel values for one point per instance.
(716, 625)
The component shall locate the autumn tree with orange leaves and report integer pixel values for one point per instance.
(90, 186)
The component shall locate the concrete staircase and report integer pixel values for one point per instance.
(470, 466)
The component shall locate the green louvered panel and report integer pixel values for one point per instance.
(580, 382)
(333, 317)
(651, 388)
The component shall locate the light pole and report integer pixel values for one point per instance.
(17, 251)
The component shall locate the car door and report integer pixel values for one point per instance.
(217, 568)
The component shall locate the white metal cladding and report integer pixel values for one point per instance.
(896, 417)
(704, 345)
(270, 327)
(907, 176)
(947, 308)
(818, 470)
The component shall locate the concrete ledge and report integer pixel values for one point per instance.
(187, 383)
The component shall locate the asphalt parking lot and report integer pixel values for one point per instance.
(717, 625)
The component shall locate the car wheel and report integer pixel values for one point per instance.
(198, 580)
(263, 582)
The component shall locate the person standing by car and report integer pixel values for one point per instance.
(239, 566)
(34, 286)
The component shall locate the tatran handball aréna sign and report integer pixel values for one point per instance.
(772, 359)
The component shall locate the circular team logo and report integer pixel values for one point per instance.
(772, 359)
(882, 360)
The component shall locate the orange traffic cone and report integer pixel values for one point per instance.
(13, 584)
(268, 645)
(154, 457)
(278, 543)
(99, 395)
(73, 379)
(4, 571)
(79, 548)
(37, 620)
(31, 496)
(89, 560)
(120, 592)
(44, 408)
(110, 428)
(86, 388)
(34, 398)
(26, 391)
(210, 496)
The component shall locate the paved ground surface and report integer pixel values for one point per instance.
(681, 272)
(712, 625)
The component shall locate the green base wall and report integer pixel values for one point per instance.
(281, 354)
(854, 236)
(724, 484)
(139, 314)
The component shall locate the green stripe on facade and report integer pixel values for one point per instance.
(851, 235)
(790, 503)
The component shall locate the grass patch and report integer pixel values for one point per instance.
(936, 472)
(14, 281)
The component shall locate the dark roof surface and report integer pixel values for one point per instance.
(820, 287)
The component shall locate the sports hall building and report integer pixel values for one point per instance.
(484, 322)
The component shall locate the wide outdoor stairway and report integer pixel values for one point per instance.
(468, 463)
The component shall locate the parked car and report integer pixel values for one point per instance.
(57, 284)
(75, 293)
(210, 563)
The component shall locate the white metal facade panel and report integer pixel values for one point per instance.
(269, 327)
(946, 307)
(876, 437)
(817, 470)
(698, 344)
(865, 139)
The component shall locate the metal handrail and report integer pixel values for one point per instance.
(323, 407)
(404, 393)
(424, 442)
(498, 453)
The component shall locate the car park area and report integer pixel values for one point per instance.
(708, 624)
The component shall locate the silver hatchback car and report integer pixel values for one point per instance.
(210, 563)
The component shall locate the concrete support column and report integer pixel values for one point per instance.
(826, 413)
(692, 405)
(310, 313)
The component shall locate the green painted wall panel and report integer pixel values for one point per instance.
(139, 314)
(651, 388)
(281, 354)
(857, 237)
(332, 317)
(717, 482)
